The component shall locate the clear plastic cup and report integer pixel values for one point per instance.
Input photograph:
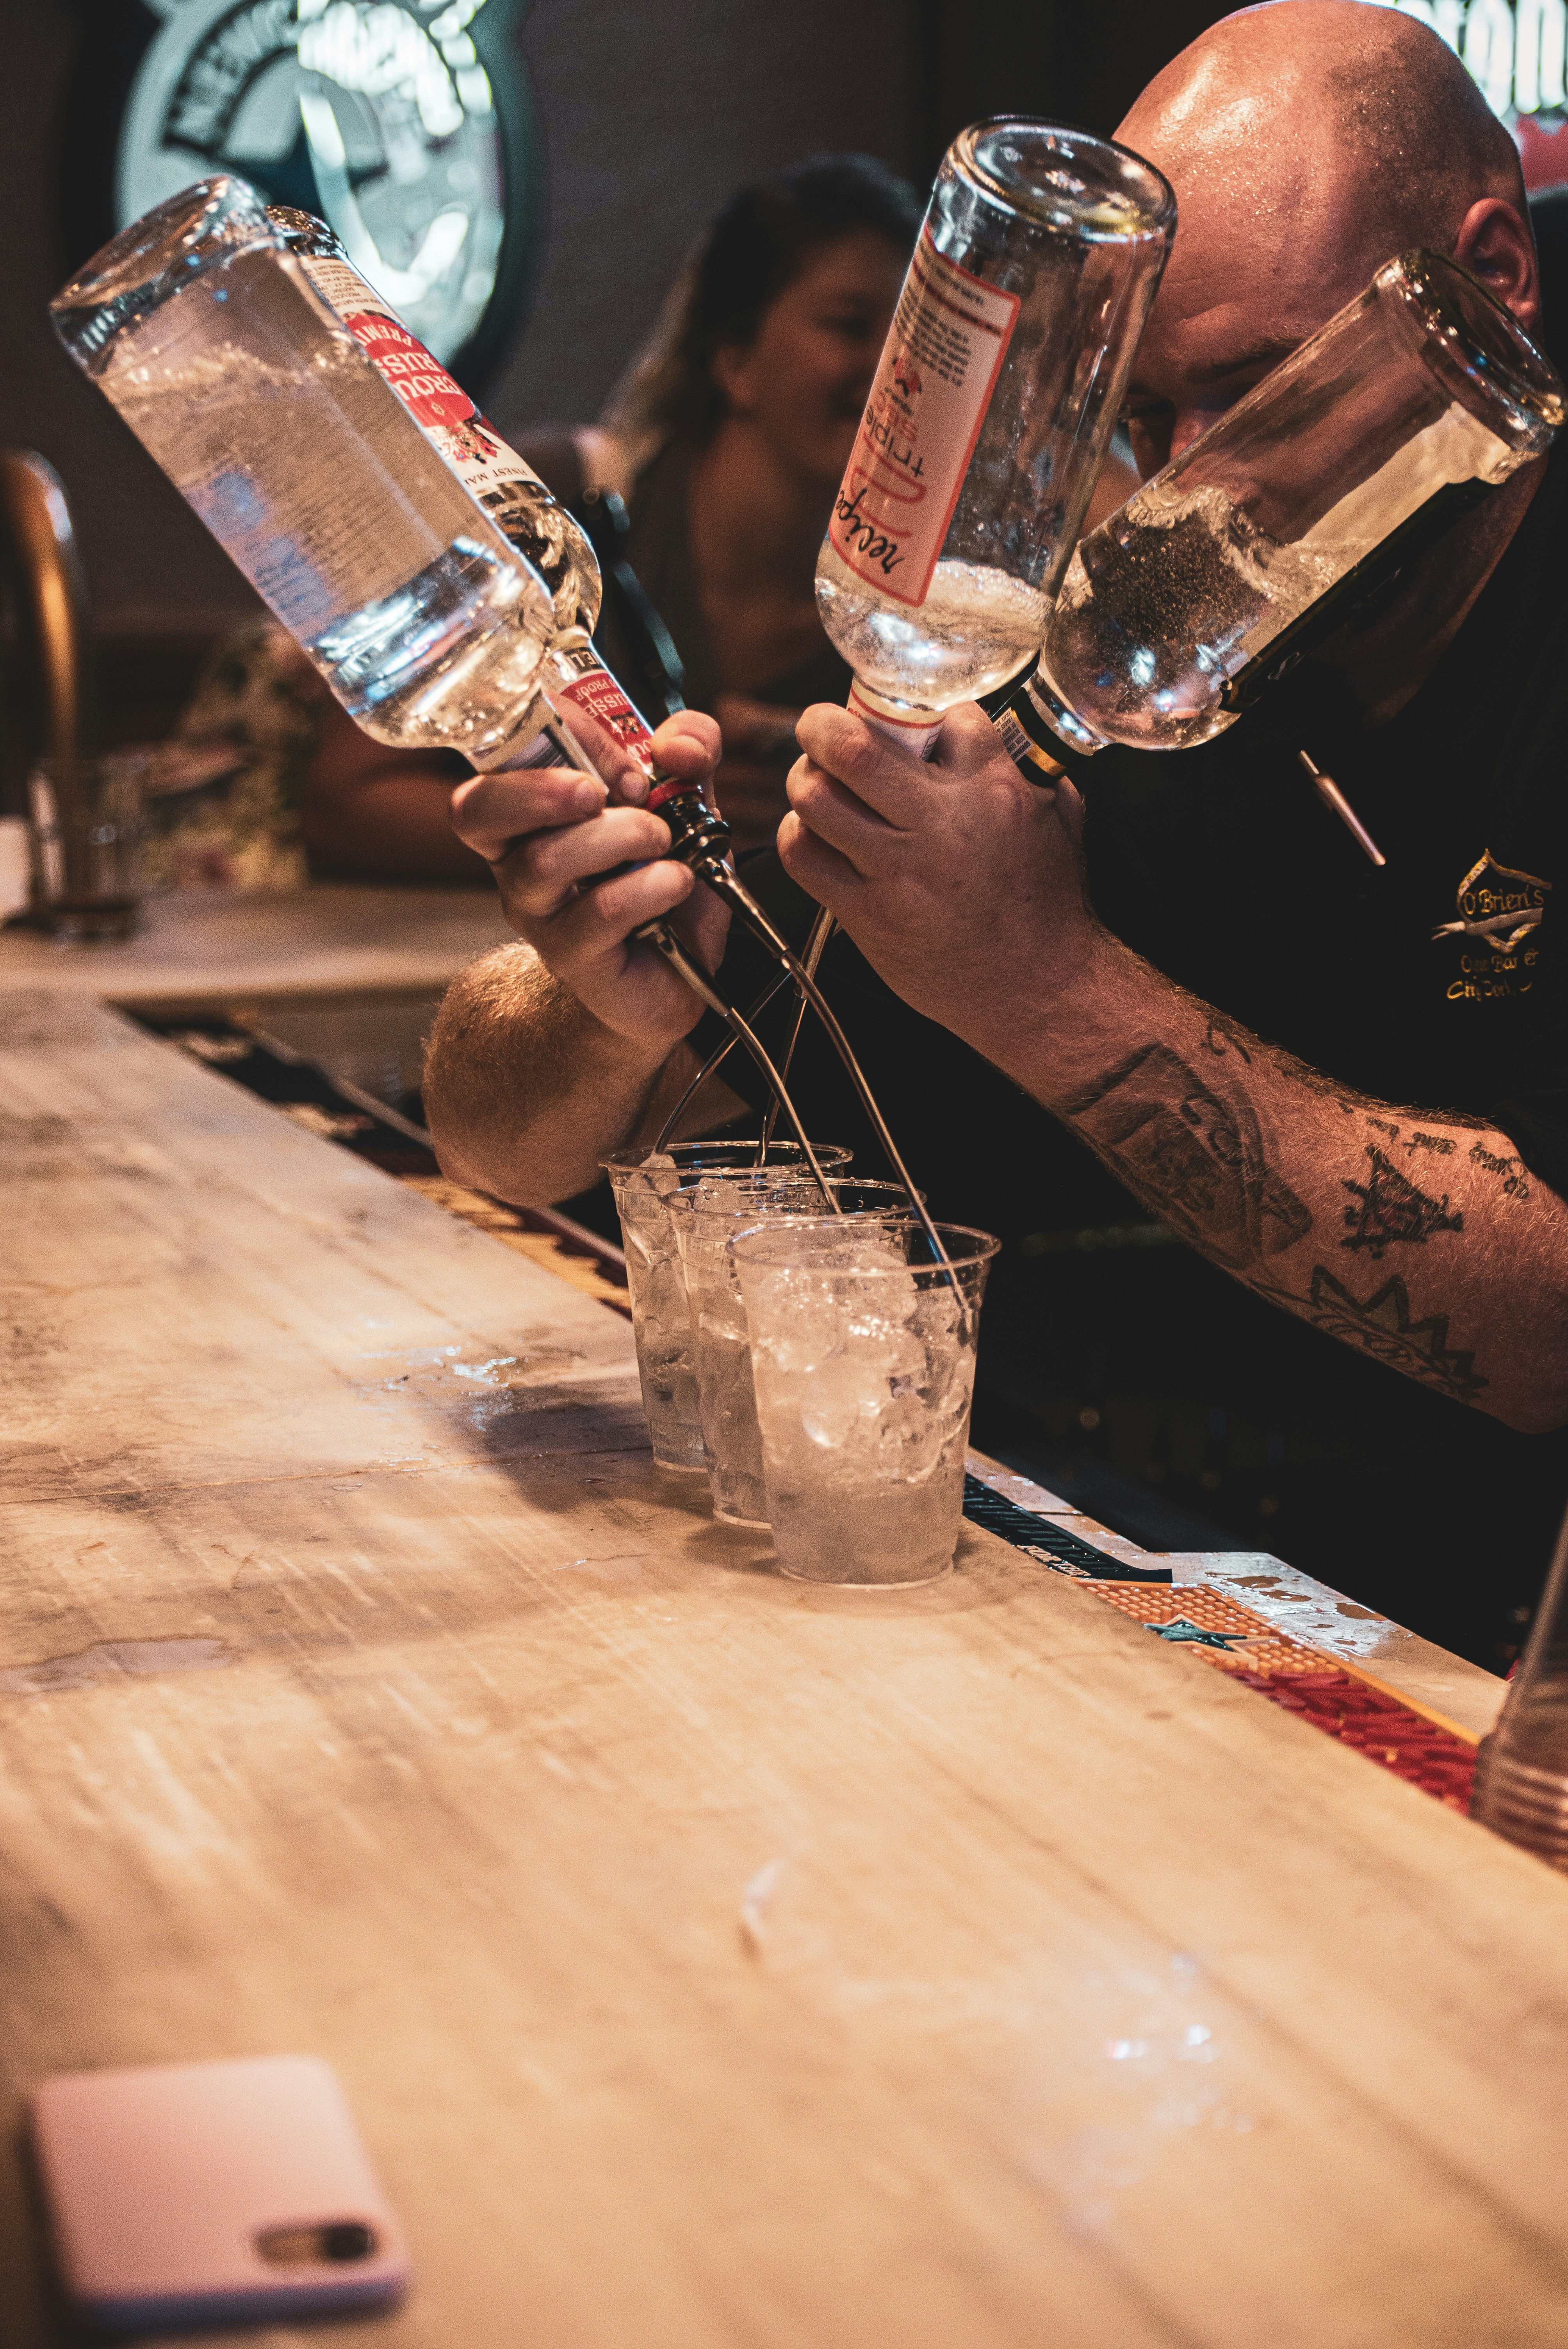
(863, 1355)
(643, 1182)
(706, 1218)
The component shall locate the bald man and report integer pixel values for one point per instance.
(1207, 983)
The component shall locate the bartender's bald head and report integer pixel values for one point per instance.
(1307, 142)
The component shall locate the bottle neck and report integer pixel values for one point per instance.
(913, 731)
(1040, 706)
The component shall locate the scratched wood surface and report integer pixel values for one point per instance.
(711, 1961)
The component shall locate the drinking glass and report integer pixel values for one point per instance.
(706, 1218)
(862, 1354)
(1521, 1787)
(87, 818)
(643, 1182)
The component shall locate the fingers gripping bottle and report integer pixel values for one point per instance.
(992, 409)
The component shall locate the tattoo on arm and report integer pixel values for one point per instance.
(1380, 1325)
(1515, 1180)
(1197, 1160)
(1201, 1162)
(1224, 1037)
(1391, 1208)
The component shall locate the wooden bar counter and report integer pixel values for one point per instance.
(712, 1962)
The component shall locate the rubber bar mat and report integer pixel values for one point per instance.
(1052, 1545)
(1332, 1695)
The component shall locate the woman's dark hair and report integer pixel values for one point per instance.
(758, 246)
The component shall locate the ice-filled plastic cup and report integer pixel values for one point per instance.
(642, 1181)
(863, 1357)
(706, 1218)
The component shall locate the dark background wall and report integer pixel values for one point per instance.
(653, 111)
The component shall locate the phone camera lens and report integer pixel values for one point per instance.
(348, 2240)
(338, 2240)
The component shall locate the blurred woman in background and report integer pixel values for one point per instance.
(727, 439)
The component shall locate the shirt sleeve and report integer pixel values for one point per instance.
(1532, 1104)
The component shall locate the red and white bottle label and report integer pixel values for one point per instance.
(580, 681)
(934, 383)
(441, 407)
(591, 689)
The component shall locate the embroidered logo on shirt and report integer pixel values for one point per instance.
(1497, 908)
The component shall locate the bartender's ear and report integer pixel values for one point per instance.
(1495, 244)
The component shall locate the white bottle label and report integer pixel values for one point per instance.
(934, 384)
(441, 408)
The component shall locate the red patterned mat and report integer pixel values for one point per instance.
(1418, 1746)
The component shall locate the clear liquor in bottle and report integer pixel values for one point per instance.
(992, 409)
(266, 413)
(1217, 575)
(512, 493)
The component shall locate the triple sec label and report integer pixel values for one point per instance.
(934, 383)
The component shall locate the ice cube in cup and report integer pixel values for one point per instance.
(643, 1182)
(863, 1357)
(707, 1218)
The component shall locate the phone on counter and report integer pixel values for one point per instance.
(182, 2194)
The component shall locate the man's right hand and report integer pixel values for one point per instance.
(546, 831)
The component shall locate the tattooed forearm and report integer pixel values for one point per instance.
(1288, 1179)
(1199, 1160)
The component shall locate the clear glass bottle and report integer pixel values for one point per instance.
(512, 493)
(1209, 582)
(207, 336)
(1521, 1770)
(342, 486)
(994, 404)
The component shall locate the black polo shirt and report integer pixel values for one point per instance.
(1223, 867)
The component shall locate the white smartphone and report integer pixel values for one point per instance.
(225, 2192)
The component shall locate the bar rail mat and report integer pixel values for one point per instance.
(1051, 1544)
(1417, 1746)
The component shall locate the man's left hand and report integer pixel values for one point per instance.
(961, 883)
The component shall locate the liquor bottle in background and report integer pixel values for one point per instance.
(993, 407)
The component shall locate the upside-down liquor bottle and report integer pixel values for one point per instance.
(341, 503)
(1342, 465)
(990, 415)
